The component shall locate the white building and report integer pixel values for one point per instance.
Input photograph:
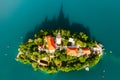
(72, 41)
(58, 38)
(50, 51)
(97, 49)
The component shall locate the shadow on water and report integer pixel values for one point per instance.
(56, 23)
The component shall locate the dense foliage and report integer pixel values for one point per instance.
(29, 54)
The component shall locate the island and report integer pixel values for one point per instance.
(59, 45)
(57, 50)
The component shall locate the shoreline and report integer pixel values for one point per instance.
(63, 50)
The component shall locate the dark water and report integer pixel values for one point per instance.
(17, 17)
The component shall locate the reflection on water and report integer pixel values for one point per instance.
(17, 17)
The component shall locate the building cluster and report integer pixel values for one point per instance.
(54, 43)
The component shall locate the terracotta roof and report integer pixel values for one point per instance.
(50, 42)
(86, 51)
(72, 51)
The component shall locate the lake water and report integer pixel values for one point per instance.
(17, 17)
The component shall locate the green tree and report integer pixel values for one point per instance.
(35, 65)
(65, 42)
(82, 44)
(38, 41)
(83, 58)
(83, 36)
(30, 41)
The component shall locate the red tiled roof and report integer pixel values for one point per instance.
(50, 42)
(86, 51)
(53, 42)
(72, 51)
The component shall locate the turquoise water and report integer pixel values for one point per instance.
(17, 17)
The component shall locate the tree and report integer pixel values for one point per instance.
(65, 42)
(79, 42)
(55, 32)
(35, 65)
(35, 56)
(38, 41)
(83, 36)
(30, 41)
(83, 58)
(67, 33)
(93, 60)
(61, 61)
(57, 62)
